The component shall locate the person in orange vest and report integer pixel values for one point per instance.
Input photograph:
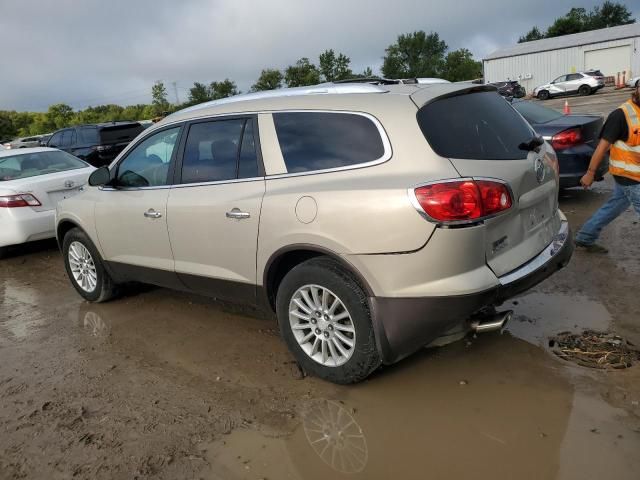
(621, 137)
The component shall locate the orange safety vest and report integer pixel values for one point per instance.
(624, 156)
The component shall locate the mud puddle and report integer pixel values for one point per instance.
(500, 408)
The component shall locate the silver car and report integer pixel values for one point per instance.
(582, 83)
(372, 220)
(633, 82)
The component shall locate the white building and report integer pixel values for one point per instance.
(611, 50)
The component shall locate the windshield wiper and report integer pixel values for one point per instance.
(533, 144)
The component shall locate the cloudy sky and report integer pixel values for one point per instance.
(94, 52)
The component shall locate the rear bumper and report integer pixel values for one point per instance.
(404, 325)
(21, 225)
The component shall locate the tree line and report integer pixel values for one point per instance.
(609, 14)
(416, 54)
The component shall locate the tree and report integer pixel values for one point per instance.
(223, 89)
(610, 14)
(367, 73)
(533, 34)
(459, 65)
(269, 79)
(301, 74)
(199, 93)
(573, 22)
(60, 115)
(414, 55)
(159, 95)
(334, 67)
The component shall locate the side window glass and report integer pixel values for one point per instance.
(560, 79)
(66, 139)
(73, 141)
(211, 151)
(147, 165)
(248, 166)
(323, 140)
(56, 140)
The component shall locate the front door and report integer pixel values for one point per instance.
(214, 212)
(131, 214)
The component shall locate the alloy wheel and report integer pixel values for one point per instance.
(82, 267)
(322, 325)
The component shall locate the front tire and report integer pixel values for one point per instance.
(325, 320)
(85, 268)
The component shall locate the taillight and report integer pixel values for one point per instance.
(463, 200)
(22, 200)
(566, 139)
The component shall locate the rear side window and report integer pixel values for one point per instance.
(212, 151)
(88, 135)
(120, 133)
(478, 126)
(322, 140)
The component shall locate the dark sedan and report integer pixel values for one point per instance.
(573, 137)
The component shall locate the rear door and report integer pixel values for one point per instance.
(214, 210)
(574, 80)
(481, 135)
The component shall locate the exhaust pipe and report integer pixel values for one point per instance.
(491, 322)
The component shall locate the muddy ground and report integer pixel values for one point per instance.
(166, 385)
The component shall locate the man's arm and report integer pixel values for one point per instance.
(596, 160)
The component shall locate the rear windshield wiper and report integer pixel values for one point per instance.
(532, 144)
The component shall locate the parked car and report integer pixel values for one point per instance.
(633, 82)
(32, 181)
(581, 83)
(510, 88)
(371, 219)
(573, 137)
(96, 144)
(24, 142)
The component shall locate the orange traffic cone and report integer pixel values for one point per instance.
(567, 109)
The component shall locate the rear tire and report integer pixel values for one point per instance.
(3, 252)
(318, 336)
(85, 268)
(543, 95)
(584, 90)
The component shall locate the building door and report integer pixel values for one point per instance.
(609, 61)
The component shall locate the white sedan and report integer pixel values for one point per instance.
(633, 82)
(32, 182)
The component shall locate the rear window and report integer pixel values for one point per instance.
(535, 113)
(120, 133)
(39, 163)
(475, 126)
(322, 140)
(594, 73)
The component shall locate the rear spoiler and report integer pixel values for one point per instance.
(431, 92)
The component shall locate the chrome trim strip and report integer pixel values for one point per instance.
(558, 242)
(414, 201)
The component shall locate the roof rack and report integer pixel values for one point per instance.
(394, 81)
(323, 88)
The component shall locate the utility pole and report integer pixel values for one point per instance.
(175, 90)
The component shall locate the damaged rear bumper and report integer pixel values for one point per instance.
(404, 325)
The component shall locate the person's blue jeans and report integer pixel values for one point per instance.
(623, 196)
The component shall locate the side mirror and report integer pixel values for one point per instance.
(100, 177)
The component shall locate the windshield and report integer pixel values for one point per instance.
(39, 163)
(535, 113)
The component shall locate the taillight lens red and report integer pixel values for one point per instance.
(22, 200)
(464, 200)
(566, 139)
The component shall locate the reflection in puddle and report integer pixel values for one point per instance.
(95, 325)
(335, 436)
(541, 315)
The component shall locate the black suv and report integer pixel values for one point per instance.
(96, 144)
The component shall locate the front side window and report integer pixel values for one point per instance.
(219, 150)
(55, 140)
(147, 165)
(312, 141)
(66, 139)
(560, 79)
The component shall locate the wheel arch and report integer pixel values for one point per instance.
(63, 227)
(286, 258)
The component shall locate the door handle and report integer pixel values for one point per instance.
(238, 214)
(151, 213)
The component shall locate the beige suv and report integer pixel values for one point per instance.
(373, 220)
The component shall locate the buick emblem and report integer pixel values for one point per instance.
(69, 184)
(539, 168)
